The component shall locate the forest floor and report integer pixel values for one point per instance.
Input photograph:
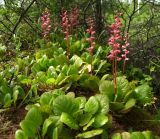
(9, 122)
(135, 120)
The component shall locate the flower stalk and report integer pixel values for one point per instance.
(46, 23)
(91, 39)
(119, 52)
(65, 29)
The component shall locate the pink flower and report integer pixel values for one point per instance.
(74, 16)
(115, 41)
(124, 48)
(91, 39)
(46, 23)
(65, 24)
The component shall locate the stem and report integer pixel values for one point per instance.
(114, 75)
(91, 63)
(67, 45)
(124, 65)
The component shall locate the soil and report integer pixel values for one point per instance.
(9, 122)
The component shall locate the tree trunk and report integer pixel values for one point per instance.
(98, 16)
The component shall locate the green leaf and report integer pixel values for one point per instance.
(148, 134)
(65, 104)
(100, 66)
(90, 134)
(143, 94)
(46, 98)
(122, 88)
(91, 82)
(29, 128)
(15, 95)
(34, 115)
(103, 103)
(55, 133)
(137, 135)
(84, 119)
(48, 122)
(116, 136)
(126, 135)
(89, 124)
(50, 81)
(129, 104)
(7, 100)
(107, 88)
(76, 61)
(69, 121)
(92, 105)
(116, 106)
(72, 70)
(81, 101)
(100, 120)
(20, 135)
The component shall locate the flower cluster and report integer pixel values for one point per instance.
(124, 47)
(91, 32)
(116, 40)
(46, 23)
(74, 16)
(65, 24)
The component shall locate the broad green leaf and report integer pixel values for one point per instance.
(100, 120)
(129, 104)
(90, 134)
(7, 100)
(106, 88)
(20, 135)
(46, 98)
(92, 105)
(65, 104)
(26, 81)
(137, 135)
(4, 89)
(100, 66)
(116, 136)
(84, 119)
(15, 95)
(72, 70)
(61, 59)
(122, 88)
(116, 106)
(55, 133)
(143, 94)
(126, 135)
(91, 82)
(89, 124)
(148, 134)
(75, 47)
(35, 116)
(81, 101)
(50, 81)
(69, 121)
(71, 94)
(60, 77)
(48, 122)
(29, 127)
(103, 103)
(129, 94)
